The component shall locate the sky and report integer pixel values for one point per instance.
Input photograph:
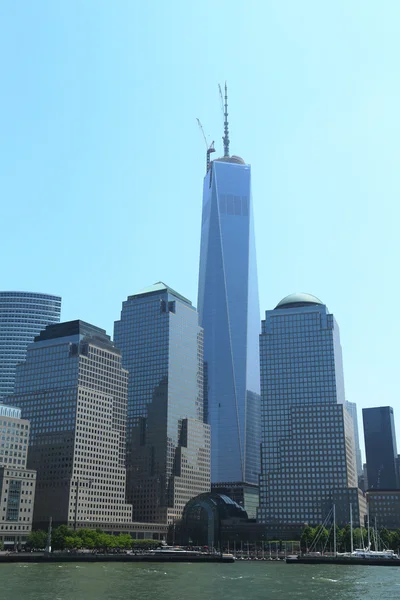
(102, 161)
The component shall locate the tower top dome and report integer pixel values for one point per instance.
(298, 300)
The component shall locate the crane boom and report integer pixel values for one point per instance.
(210, 148)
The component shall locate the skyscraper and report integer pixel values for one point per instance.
(380, 448)
(22, 316)
(352, 409)
(229, 313)
(168, 443)
(308, 457)
(73, 390)
(17, 483)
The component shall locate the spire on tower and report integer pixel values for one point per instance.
(225, 138)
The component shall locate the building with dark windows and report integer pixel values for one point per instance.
(17, 483)
(73, 390)
(229, 313)
(168, 443)
(22, 316)
(308, 451)
(244, 494)
(384, 508)
(380, 448)
(352, 409)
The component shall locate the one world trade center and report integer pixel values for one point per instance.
(229, 313)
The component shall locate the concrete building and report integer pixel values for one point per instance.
(308, 450)
(22, 316)
(380, 448)
(17, 483)
(384, 509)
(168, 443)
(73, 390)
(229, 312)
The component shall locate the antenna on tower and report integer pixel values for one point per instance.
(225, 138)
(210, 148)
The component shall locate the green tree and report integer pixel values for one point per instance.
(307, 538)
(1, 545)
(37, 539)
(124, 541)
(58, 537)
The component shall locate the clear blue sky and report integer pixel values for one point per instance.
(101, 160)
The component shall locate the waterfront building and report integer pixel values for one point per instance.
(168, 443)
(244, 494)
(308, 456)
(352, 409)
(17, 483)
(22, 316)
(229, 312)
(73, 390)
(384, 508)
(380, 448)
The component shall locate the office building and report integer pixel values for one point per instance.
(229, 313)
(17, 483)
(352, 409)
(384, 509)
(168, 443)
(22, 316)
(308, 457)
(380, 448)
(73, 390)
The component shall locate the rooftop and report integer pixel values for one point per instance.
(158, 287)
(298, 300)
(238, 160)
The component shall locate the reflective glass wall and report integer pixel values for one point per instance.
(229, 313)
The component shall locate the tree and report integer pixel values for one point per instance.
(37, 539)
(124, 541)
(307, 538)
(58, 537)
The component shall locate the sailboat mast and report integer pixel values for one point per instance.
(334, 530)
(351, 528)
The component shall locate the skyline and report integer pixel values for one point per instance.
(317, 120)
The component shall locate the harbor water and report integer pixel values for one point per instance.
(162, 581)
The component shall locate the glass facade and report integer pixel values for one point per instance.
(229, 313)
(380, 448)
(384, 508)
(307, 434)
(22, 316)
(73, 390)
(352, 409)
(168, 443)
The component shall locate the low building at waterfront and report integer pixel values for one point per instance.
(17, 483)
(384, 508)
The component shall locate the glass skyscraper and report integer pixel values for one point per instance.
(352, 408)
(168, 443)
(22, 316)
(308, 452)
(229, 313)
(380, 448)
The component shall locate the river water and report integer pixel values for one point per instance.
(161, 581)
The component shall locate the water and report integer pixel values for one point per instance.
(161, 581)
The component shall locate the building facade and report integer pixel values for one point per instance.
(168, 443)
(352, 409)
(17, 483)
(23, 315)
(229, 312)
(384, 508)
(73, 390)
(380, 448)
(308, 456)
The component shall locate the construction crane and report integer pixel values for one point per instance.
(210, 148)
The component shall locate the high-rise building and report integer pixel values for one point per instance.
(308, 457)
(229, 313)
(352, 409)
(380, 448)
(168, 443)
(22, 316)
(17, 483)
(73, 390)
